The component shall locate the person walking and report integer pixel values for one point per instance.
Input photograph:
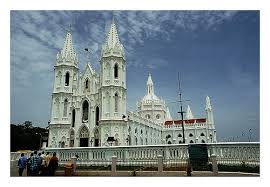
(42, 168)
(29, 162)
(53, 164)
(47, 161)
(22, 164)
(35, 164)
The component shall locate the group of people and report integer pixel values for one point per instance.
(38, 164)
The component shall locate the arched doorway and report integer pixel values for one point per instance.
(96, 137)
(84, 137)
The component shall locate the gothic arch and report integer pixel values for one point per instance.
(67, 77)
(116, 102)
(65, 111)
(116, 70)
(73, 117)
(97, 111)
(86, 84)
(85, 110)
(84, 136)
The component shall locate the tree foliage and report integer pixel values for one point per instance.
(26, 137)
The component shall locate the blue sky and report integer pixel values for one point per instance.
(216, 53)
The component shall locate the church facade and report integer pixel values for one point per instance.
(89, 108)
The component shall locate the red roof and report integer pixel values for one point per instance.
(186, 122)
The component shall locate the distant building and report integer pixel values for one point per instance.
(89, 108)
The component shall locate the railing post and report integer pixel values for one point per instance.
(160, 163)
(214, 164)
(114, 158)
(74, 160)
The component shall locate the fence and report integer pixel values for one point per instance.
(240, 156)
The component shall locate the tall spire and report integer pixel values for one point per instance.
(68, 49)
(112, 37)
(150, 85)
(189, 114)
(207, 103)
(168, 115)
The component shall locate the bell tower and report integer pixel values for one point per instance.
(65, 85)
(113, 88)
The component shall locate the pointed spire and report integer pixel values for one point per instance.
(207, 103)
(189, 114)
(149, 80)
(168, 115)
(150, 85)
(112, 37)
(68, 50)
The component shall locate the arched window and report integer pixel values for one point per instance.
(116, 98)
(169, 142)
(203, 141)
(85, 107)
(65, 107)
(97, 115)
(135, 130)
(168, 136)
(179, 135)
(141, 131)
(136, 141)
(180, 142)
(67, 79)
(190, 135)
(115, 71)
(86, 84)
(147, 116)
(202, 134)
(191, 141)
(73, 117)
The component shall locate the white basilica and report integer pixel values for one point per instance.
(89, 108)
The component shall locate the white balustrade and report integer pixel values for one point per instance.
(242, 152)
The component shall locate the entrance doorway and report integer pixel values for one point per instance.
(84, 137)
(84, 142)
